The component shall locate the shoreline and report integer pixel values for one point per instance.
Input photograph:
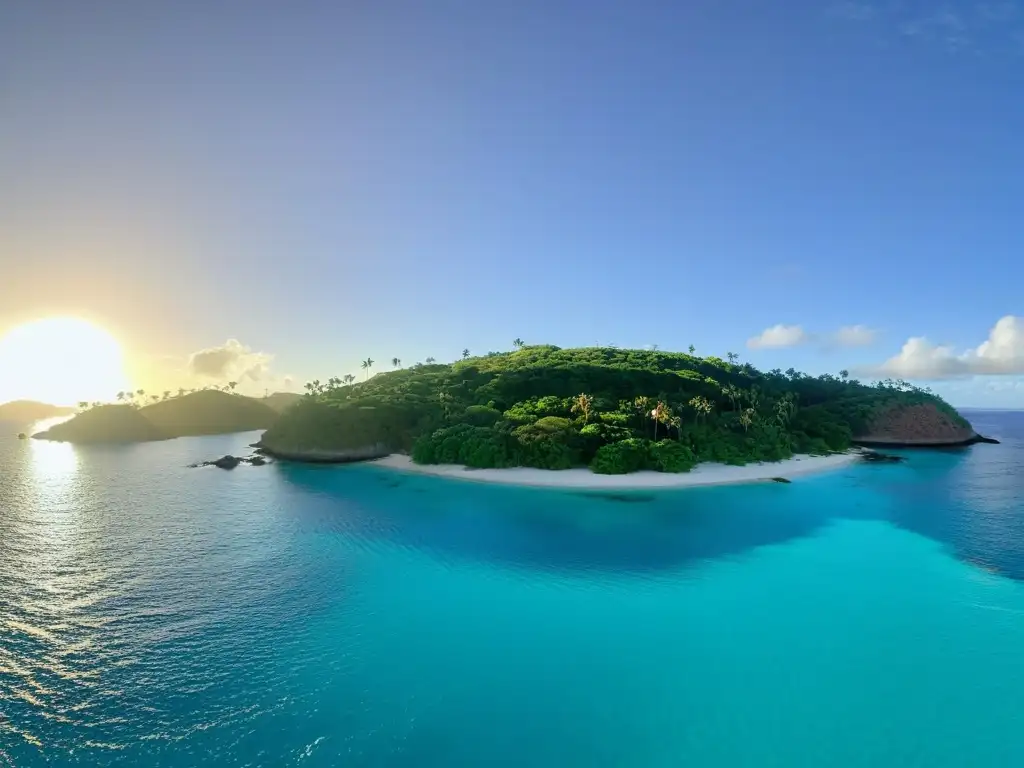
(705, 474)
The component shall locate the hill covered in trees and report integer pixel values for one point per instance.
(105, 424)
(206, 412)
(209, 412)
(615, 410)
(280, 401)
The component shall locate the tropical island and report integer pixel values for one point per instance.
(190, 413)
(614, 411)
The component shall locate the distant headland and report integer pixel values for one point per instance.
(26, 411)
(615, 411)
(203, 412)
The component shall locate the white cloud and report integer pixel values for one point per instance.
(232, 360)
(855, 336)
(779, 336)
(1003, 351)
(1001, 354)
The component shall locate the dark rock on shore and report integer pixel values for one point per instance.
(22, 436)
(230, 462)
(226, 462)
(781, 480)
(983, 439)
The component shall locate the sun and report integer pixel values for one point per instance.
(61, 361)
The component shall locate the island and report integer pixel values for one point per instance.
(612, 411)
(206, 412)
(26, 411)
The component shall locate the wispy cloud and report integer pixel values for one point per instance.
(782, 335)
(779, 336)
(957, 25)
(855, 336)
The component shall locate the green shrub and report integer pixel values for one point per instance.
(671, 456)
(542, 448)
(621, 458)
(553, 424)
(481, 416)
(480, 447)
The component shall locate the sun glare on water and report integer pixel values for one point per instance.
(61, 361)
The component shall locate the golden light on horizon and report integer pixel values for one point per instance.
(60, 360)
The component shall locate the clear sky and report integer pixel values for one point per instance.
(327, 181)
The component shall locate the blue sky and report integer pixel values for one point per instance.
(327, 181)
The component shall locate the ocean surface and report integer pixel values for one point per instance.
(155, 615)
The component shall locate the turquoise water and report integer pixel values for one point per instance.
(156, 615)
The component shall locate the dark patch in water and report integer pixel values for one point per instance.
(625, 498)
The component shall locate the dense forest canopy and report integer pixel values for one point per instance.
(616, 410)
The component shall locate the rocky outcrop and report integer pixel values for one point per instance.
(327, 456)
(321, 433)
(918, 425)
(230, 462)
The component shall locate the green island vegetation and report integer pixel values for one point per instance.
(25, 411)
(614, 410)
(138, 418)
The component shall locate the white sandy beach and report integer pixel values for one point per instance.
(701, 475)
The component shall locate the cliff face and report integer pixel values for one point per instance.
(319, 432)
(918, 424)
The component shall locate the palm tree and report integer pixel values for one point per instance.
(349, 378)
(83, 404)
(844, 374)
(677, 424)
(581, 405)
(465, 354)
(308, 386)
(367, 365)
(692, 349)
(181, 391)
(120, 397)
(141, 393)
(747, 418)
(396, 362)
(643, 407)
(701, 405)
(734, 394)
(785, 409)
(167, 394)
(732, 356)
(232, 385)
(431, 361)
(518, 343)
(660, 414)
